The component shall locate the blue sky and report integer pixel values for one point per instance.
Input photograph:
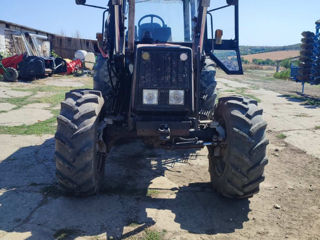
(262, 22)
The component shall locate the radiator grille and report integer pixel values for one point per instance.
(165, 70)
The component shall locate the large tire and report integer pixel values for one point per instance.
(102, 82)
(11, 75)
(79, 163)
(238, 170)
(208, 92)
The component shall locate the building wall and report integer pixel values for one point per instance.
(63, 46)
(67, 46)
(9, 37)
(2, 38)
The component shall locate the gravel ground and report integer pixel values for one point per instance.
(263, 79)
(158, 194)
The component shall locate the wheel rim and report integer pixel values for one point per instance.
(9, 75)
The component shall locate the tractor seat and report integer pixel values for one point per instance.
(147, 37)
(158, 33)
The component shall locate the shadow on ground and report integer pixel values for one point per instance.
(32, 205)
(305, 100)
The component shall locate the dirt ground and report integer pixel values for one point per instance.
(157, 194)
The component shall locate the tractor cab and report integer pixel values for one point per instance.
(150, 32)
(165, 20)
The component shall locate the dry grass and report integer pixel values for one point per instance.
(277, 55)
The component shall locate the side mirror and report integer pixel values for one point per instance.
(218, 36)
(80, 2)
(232, 2)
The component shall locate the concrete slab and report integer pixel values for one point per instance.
(6, 106)
(42, 94)
(28, 114)
(64, 82)
(291, 118)
(11, 144)
(8, 93)
(26, 160)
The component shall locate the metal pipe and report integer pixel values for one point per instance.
(236, 10)
(117, 30)
(211, 21)
(186, 16)
(193, 14)
(103, 21)
(215, 9)
(203, 24)
(207, 144)
(131, 27)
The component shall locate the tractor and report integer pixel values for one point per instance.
(8, 67)
(155, 80)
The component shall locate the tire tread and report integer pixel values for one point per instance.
(245, 154)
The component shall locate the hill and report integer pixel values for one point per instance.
(247, 50)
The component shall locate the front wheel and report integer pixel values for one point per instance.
(79, 159)
(237, 166)
(11, 75)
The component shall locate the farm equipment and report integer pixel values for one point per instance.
(73, 66)
(87, 62)
(309, 67)
(160, 85)
(315, 70)
(8, 67)
(38, 67)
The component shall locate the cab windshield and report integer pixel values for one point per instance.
(163, 21)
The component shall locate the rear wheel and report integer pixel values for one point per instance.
(105, 81)
(79, 159)
(208, 93)
(79, 72)
(236, 168)
(11, 75)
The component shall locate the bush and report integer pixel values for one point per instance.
(283, 74)
(54, 54)
(5, 54)
(245, 61)
(263, 62)
(285, 63)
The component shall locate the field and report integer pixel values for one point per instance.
(246, 50)
(153, 194)
(275, 56)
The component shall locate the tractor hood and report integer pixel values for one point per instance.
(163, 79)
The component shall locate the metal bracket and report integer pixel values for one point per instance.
(102, 148)
(111, 119)
(220, 130)
(164, 131)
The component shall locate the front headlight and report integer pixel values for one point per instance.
(176, 97)
(150, 96)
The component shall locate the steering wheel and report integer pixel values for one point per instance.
(152, 16)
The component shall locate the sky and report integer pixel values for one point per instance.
(262, 22)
